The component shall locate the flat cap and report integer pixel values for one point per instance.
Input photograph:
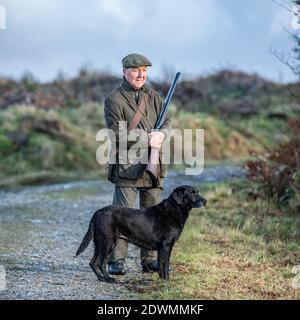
(135, 60)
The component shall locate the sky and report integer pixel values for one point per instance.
(196, 37)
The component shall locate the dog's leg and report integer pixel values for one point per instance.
(164, 254)
(167, 262)
(165, 259)
(107, 246)
(94, 264)
(161, 262)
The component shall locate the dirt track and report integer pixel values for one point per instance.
(42, 226)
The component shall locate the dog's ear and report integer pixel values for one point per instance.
(178, 195)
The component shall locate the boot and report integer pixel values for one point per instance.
(116, 268)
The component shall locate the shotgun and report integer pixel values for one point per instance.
(152, 167)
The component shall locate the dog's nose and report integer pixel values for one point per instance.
(204, 201)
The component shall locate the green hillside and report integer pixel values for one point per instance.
(47, 131)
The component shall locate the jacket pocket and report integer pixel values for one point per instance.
(131, 171)
(111, 174)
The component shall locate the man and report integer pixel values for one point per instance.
(130, 180)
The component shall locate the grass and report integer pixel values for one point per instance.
(70, 143)
(48, 177)
(74, 194)
(265, 132)
(67, 150)
(232, 249)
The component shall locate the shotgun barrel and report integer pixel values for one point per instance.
(160, 120)
(152, 168)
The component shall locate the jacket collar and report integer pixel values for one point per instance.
(128, 93)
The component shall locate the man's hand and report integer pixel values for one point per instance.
(156, 139)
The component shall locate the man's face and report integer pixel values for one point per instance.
(136, 76)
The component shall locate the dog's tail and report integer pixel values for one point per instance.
(87, 238)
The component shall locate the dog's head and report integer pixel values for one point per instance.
(188, 196)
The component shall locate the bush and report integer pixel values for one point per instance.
(278, 173)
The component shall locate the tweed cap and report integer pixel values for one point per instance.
(135, 60)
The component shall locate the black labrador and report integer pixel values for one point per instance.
(154, 228)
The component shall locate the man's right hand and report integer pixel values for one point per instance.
(156, 139)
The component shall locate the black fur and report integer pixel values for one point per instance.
(155, 228)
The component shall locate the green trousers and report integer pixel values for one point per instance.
(126, 197)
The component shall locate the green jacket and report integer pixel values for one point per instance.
(121, 105)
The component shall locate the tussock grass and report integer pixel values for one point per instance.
(233, 249)
(69, 143)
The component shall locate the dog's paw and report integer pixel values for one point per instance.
(164, 276)
(111, 280)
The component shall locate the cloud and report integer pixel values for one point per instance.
(122, 12)
(51, 35)
(69, 31)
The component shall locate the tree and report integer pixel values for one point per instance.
(291, 60)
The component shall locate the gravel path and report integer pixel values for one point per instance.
(41, 228)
